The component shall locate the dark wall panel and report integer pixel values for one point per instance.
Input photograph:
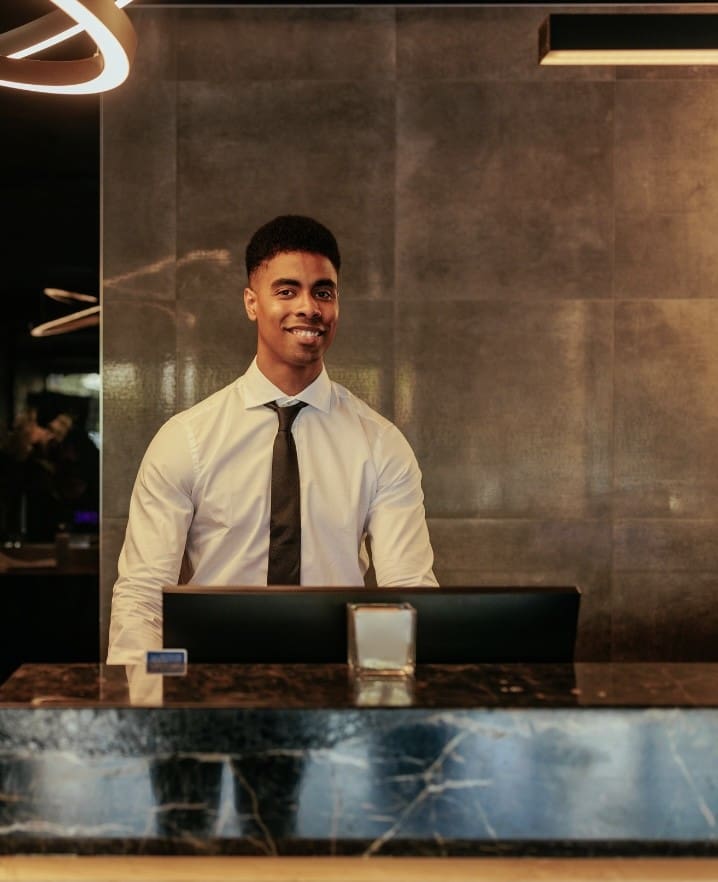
(527, 291)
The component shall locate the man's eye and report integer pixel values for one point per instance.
(325, 295)
(285, 292)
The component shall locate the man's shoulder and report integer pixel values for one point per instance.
(383, 436)
(216, 401)
(387, 441)
(346, 400)
(200, 420)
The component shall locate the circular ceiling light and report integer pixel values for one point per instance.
(108, 26)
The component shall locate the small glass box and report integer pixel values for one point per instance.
(381, 639)
(382, 691)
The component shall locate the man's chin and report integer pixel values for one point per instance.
(308, 359)
(303, 353)
(302, 359)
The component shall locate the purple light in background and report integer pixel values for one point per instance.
(86, 518)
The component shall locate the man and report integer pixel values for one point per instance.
(205, 487)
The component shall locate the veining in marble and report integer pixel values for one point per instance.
(619, 759)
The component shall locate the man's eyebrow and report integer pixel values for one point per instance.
(278, 283)
(320, 283)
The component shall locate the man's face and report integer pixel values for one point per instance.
(293, 298)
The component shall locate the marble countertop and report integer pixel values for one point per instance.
(584, 760)
(639, 685)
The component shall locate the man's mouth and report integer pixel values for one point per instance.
(306, 332)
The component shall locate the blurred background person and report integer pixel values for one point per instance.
(49, 473)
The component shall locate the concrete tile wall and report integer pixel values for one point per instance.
(528, 287)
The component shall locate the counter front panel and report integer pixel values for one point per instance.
(295, 760)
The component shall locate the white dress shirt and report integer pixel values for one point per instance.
(203, 488)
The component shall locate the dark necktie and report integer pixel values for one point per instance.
(285, 525)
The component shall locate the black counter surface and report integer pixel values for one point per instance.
(548, 760)
(67, 594)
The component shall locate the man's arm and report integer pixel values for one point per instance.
(396, 523)
(161, 511)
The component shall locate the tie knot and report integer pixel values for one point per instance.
(286, 415)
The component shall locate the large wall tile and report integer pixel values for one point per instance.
(322, 149)
(666, 147)
(668, 616)
(139, 170)
(666, 409)
(667, 255)
(470, 43)
(529, 552)
(139, 389)
(215, 344)
(508, 406)
(504, 190)
(286, 44)
(666, 545)
(666, 189)
(156, 54)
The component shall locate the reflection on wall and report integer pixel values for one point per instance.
(527, 287)
(50, 460)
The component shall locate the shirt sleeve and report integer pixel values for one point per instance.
(161, 511)
(396, 522)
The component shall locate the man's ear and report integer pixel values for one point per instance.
(250, 304)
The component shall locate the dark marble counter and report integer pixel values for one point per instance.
(477, 760)
(639, 685)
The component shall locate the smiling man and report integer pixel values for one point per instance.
(280, 477)
(294, 301)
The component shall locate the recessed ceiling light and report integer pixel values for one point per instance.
(629, 39)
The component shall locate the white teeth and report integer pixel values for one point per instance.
(300, 332)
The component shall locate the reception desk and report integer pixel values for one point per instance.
(545, 761)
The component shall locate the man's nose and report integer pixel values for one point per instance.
(305, 304)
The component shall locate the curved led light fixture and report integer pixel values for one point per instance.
(85, 318)
(105, 22)
(63, 296)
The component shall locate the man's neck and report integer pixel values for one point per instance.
(289, 379)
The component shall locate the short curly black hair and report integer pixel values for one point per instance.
(291, 232)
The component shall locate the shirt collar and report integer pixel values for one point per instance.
(258, 390)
